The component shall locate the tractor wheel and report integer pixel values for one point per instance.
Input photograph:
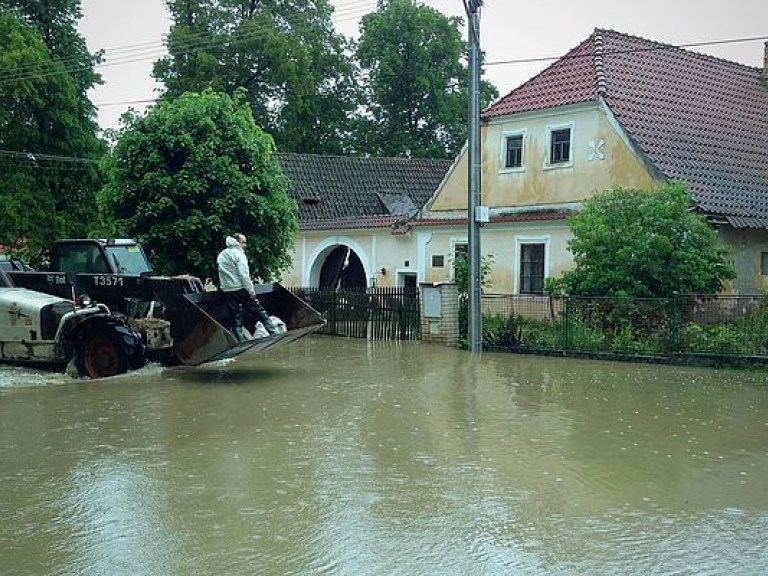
(99, 356)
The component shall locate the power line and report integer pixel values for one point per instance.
(605, 53)
(344, 10)
(35, 156)
(128, 102)
(146, 51)
(630, 50)
(141, 52)
(188, 44)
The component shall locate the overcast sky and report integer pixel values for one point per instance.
(132, 35)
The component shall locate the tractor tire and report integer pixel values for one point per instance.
(100, 355)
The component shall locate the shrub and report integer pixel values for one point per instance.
(717, 339)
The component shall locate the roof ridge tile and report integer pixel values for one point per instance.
(598, 63)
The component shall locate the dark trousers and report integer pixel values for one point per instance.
(240, 302)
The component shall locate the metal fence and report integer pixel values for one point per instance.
(709, 325)
(373, 313)
(662, 328)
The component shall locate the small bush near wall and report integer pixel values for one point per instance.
(516, 330)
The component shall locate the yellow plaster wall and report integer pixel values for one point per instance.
(537, 183)
(746, 248)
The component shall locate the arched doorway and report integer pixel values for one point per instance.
(342, 269)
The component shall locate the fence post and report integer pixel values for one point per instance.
(333, 312)
(371, 312)
(674, 324)
(566, 322)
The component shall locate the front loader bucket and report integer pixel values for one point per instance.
(199, 325)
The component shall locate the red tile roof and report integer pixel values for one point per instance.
(696, 118)
(570, 80)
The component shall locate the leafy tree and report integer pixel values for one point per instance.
(461, 272)
(284, 55)
(417, 89)
(48, 133)
(56, 23)
(191, 171)
(645, 244)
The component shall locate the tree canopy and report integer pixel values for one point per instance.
(48, 133)
(284, 55)
(191, 171)
(416, 94)
(645, 244)
(56, 23)
(401, 91)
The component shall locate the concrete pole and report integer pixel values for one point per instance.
(473, 201)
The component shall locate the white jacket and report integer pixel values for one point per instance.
(233, 268)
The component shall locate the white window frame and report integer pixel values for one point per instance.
(506, 135)
(548, 165)
(519, 241)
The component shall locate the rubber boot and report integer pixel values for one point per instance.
(268, 324)
(236, 316)
(239, 333)
(262, 315)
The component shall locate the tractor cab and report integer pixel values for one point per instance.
(113, 256)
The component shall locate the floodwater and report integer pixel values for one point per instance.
(343, 457)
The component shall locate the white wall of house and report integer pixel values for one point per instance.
(386, 258)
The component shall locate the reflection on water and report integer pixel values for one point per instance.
(336, 456)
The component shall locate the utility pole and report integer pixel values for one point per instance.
(475, 213)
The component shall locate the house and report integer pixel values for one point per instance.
(617, 110)
(354, 218)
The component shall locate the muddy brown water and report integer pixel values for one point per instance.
(335, 456)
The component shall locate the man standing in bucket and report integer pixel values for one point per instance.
(236, 285)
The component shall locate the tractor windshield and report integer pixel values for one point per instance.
(128, 259)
